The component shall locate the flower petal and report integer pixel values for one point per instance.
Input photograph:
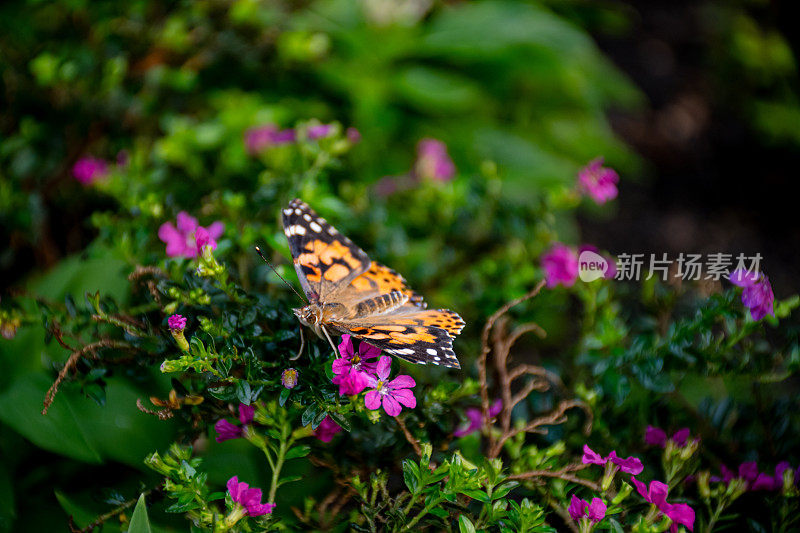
(227, 431)
(372, 400)
(405, 397)
(391, 406)
(384, 367)
(658, 494)
(576, 508)
(186, 223)
(346, 347)
(402, 382)
(596, 510)
(654, 436)
(590, 457)
(246, 413)
(216, 229)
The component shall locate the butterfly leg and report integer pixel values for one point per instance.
(302, 345)
(327, 336)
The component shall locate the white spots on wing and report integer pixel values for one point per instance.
(295, 230)
(287, 211)
(431, 351)
(332, 230)
(297, 211)
(315, 227)
(403, 351)
(307, 217)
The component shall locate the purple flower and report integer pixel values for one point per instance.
(475, 418)
(757, 292)
(176, 322)
(598, 181)
(249, 498)
(319, 131)
(560, 266)
(227, 431)
(289, 378)
(258, 139)
(592, 458)
(654, 436)
(352, 368)
(327, 429)
(631, 465)
(656, 493)
(748, 471)
(186, 238)
(433, 162)
(594, 511)
(89, 169)
(390, 394)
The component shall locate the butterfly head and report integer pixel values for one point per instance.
(309, 315)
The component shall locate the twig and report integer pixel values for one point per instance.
(564, 473)
(73, 360)
(557, 416)
(409, 437)
(162, 414)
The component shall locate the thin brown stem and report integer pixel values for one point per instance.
(409, 437)
(564, 473)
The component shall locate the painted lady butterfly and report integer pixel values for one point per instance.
(349, 293)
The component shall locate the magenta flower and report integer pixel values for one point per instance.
(757, 292)
(654, 436)
(319, 131)
(327, 429)
(631, 465)
(89, 169)
(187, 236)
(433, 162)
(289, 378)
(352, 368)
(560, 266)
(227, 431)
(594, 511)
(258, 139)
(475, 418)
(598, 181)
(176, 322)
(247, 497)
(656, 493)
(390, 394)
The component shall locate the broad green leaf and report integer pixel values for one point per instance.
(298, 451)
(465, 524)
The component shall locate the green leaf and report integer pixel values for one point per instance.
(411, 475)
(465, 524)
(476, 494)
(283, 396)
(308, 415)
(297, 451)
(503, 490)
(139, 521)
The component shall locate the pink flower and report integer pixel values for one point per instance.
(475, 417)
(262, 137)
(560, 266)
(227, 431)
(187, 236)
(594, 511)
(390, 394)
(176, 322)
(631, 465)
(679, 513)
(757, 292)
(352, 368)
(353, 135)
(319, 131)
(89, 169)
(433, 162)
(249, 498)
(327, 429)
(598, 181)
(654, 436)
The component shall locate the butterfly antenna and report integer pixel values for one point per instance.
(277, 274)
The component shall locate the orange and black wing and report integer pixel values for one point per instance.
(380, 279)
(421, 336)
(325, 260)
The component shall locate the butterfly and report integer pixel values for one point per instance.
(349, 293)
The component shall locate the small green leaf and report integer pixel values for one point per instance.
(476, 494)
(308, 415)
(283, 396)
(465, 524)
(503, 490)
(297, 451)
(139, 521)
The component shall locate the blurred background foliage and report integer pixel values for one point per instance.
(520, 92)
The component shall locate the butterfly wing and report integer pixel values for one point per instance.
(325, 260)
(418, 335)
(377, 280)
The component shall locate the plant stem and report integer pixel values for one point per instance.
(422, 513)
(286, 442)
(715, 517)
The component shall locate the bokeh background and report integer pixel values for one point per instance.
(694, 103)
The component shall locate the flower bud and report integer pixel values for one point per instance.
(290, 378)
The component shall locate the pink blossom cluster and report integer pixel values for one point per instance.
(355, 371)
(260, 138)
(656, 493)
(757, 292)
(560, 264)
(598, 182)
(248, 497)
(186, 238)
(756, 480)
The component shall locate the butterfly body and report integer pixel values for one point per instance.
(349, 293)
